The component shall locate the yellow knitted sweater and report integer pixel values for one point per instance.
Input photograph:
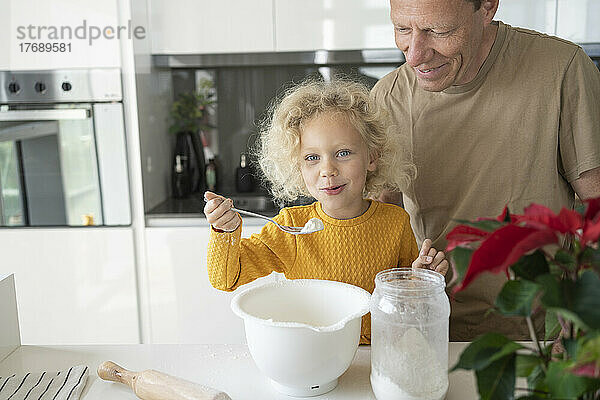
(350, 251)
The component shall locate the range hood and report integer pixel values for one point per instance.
(318, 57)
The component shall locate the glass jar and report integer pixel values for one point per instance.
(409, 335)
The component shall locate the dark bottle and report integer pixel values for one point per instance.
(211, 175)
(182, 179)
(244, 181)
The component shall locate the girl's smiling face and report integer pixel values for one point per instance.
(334, 164)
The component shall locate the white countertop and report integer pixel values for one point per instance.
(229, 368)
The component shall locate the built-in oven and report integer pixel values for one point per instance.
(63, 149)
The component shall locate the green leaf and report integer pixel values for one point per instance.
(589, 349)
(460, 260)
(552, 326)
(536, 380)
(488, 225)
(563, 384)
(586, 299)
(570, 346)
(559, 296)
(516, 297)
(531, 266)
(485, 350)
(526, 363)
(565, 259)
(553, 296)
(497, 380)
(591, 256)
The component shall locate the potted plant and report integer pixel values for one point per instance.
(188, 117)
(552, 261)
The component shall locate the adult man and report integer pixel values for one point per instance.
(491, 115)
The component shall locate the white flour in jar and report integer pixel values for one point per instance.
(417, 373)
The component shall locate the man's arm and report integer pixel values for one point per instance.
(587, 186)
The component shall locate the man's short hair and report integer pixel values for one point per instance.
(476, 4)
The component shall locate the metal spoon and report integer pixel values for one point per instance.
(294, 230)
(309, 227)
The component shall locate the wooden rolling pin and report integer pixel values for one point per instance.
(155, 385)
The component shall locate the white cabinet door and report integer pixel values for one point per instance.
(538, 15)
(184, 307)
(578, 20)
(80, 30)
(302, 25)
(74, 286)
(208, 26)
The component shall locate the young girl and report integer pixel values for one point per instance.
(329, 141)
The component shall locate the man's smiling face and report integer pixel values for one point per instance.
(442, 40)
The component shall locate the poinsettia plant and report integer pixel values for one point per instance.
(552, 262)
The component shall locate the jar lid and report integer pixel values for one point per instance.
(413, 282)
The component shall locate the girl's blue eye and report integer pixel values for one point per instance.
(343, 153)
(311, 157)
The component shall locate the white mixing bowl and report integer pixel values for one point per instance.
(303, 333)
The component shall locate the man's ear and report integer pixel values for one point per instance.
(489, 8)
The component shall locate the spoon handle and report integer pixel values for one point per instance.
(251, 214)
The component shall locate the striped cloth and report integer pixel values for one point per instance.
(62, 385)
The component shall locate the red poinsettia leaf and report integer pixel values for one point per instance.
(463, 234)
(533, 241)
(589, 370)
(591, 231)
(570, 220)
(505, 216)
(593, 208)
(503, 248)
(540, 217)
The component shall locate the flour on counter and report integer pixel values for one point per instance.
(417, 374)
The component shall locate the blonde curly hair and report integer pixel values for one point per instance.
(278, 145)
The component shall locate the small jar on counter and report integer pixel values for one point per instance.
(409, 335)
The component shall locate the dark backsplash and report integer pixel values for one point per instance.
(244, 95)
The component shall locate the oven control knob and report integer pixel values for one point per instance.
(40, 87)
(66, 86)
(14, 87)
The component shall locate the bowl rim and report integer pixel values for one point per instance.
(237, 310)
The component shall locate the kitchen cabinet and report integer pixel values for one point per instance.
(207, 27)
(578, 20)
(184, 307)
(538, 15)
(73, 23)
(73, 285)
(333, 25)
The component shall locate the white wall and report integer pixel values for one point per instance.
(70, 13)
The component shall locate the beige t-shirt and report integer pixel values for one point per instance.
(526, 126)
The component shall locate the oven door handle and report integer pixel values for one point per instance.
(44, 115)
